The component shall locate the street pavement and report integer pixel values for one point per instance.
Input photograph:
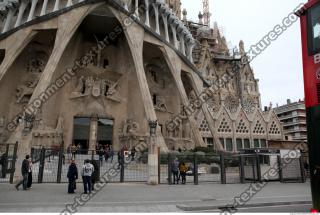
(287, 197)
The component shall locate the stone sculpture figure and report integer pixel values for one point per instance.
(25, 90)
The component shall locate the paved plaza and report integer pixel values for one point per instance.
(145, 198)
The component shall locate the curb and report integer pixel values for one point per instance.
(230, 208)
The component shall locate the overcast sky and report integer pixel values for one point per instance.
(279, 67)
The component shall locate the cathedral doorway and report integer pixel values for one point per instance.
(81, 134)
(89, 133)
(105, 130)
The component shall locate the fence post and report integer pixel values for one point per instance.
(41, 164)
(258, 167)
(61, 154)
(303, 175)
(5, 164)
(92, 155)
(159, 165)
(241, 169)
(195, 164)
(14, 159)
(121, 166)
(280, 168)
(223, 169)
(169, 169)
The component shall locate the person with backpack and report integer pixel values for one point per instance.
(183, 168)
(72, 176)
(87, 171)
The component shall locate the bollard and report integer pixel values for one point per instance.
(223, 170)
(195, 164)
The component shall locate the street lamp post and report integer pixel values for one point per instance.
(152, 154)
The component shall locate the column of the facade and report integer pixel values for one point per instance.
(69, 3)
(8, 19)
(189, 52)
(156, 13)
(174, 34)
(33, 7)
(182, 44)
(44, 7)
(93, 133)
(147, 22)
(56, 5)
(166, 30)
(22, 8)
(136, 8)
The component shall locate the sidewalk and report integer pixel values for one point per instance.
(145, 198)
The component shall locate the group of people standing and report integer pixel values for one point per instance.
(179, 170)
(105, 153)
(89, 173)
(26, 171)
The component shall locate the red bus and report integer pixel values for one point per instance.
(310, 37)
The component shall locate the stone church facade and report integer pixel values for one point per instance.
(96, 72)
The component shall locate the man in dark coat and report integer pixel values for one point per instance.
(72, 176)
(24, 172)
(95, 175)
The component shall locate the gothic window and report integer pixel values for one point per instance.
(258, 128)
(204, 127)
(229, 145)
(239, 144)
(246, 144)
(242, 128)
(274, 128)
(224, 127)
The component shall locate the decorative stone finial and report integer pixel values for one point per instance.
(200, 16)
(184, 13)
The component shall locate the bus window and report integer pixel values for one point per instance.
(314, 30)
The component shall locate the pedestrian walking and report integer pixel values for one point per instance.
(24, 172)
(72, 176)
(106, 154)
(183, 168)
(175, 170)
(29, 184)
(73, 151)
(101, 155)
(95, 175)
(111, 154)
(87, 171)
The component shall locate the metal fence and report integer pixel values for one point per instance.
(50, 165)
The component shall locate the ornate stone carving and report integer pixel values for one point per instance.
(130, 128)
(248, 105)
(161, 104)
(97, 88)
(34, 69)
(25, 91)
(231, 103)
(35, 65)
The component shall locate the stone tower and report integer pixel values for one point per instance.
(175, 5)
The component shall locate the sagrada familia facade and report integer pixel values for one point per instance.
(94, 72)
